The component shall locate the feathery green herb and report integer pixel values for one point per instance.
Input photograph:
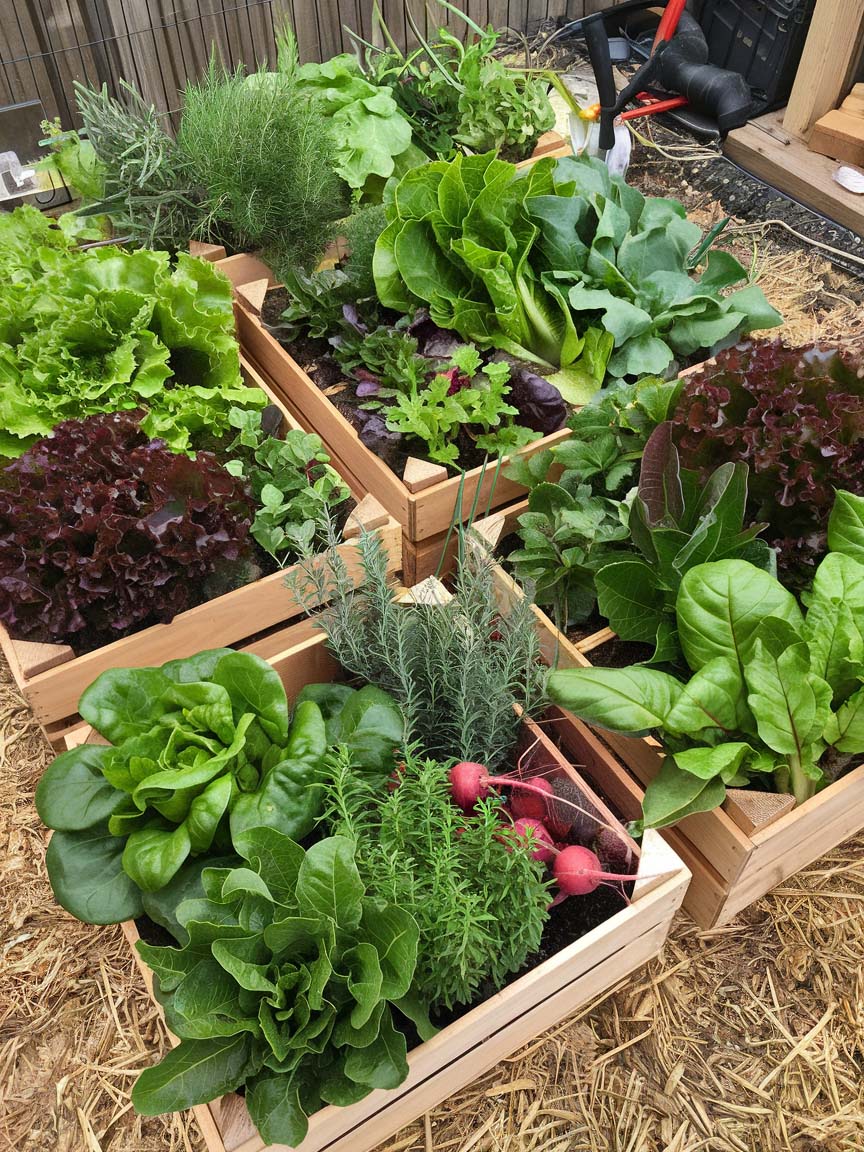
(456, 668)
(480, 905)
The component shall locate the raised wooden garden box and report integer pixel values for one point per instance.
(736, 853)
(424, 498)
(526, 1007)
(51, 677)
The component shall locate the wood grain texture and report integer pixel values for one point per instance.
(831, 52)
(753, 811)
(767, 150)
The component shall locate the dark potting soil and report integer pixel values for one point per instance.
(586, 628)
(619, 653)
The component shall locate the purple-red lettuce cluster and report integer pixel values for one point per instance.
(796, 417)
(103, 531)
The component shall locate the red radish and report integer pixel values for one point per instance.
(578, 871)
(469, 783)
(395, 778)
(529, 804)
(544, 847)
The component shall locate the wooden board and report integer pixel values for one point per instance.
(423, 514)
(831, 53)
(490, 1032)
(765, 148)
(732, 861)
(840, 135)
(53, 691)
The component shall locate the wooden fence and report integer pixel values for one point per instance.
(157, 44)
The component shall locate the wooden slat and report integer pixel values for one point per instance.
(752, 810)
(420, 474)
(830, 55)
(35, 658)
(840, 135)
(764, 148)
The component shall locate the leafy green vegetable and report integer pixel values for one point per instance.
(577, 519)
(202, 749)
(468, 395)
(372, 136)
(562, 264)
(459, 93)
(83, 332)
(297, 490)
(772, 693)
(675, 524)
(416, 849)
(285, 981)
(568, 534)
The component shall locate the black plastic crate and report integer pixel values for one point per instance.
(763, 42)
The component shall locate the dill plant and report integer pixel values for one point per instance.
(480, 903)
(456, 668)
(265, 157)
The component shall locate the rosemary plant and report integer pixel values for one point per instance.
(265, 156)
(457, 668)
(147, 186)
(480, 906)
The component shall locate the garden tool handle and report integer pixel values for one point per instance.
(597, 42)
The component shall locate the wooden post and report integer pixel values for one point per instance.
(827, 62)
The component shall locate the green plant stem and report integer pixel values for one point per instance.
(802, 786)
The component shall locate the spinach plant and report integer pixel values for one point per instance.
(775, 696)
(285, 981)
(577, 518)
(297, 490)
(200, 750)
(676, 524)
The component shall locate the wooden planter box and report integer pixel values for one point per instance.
(423, 500)
(530, 1004)
(736, 853)
(51, 677)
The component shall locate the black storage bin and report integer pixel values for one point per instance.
(763, 42)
